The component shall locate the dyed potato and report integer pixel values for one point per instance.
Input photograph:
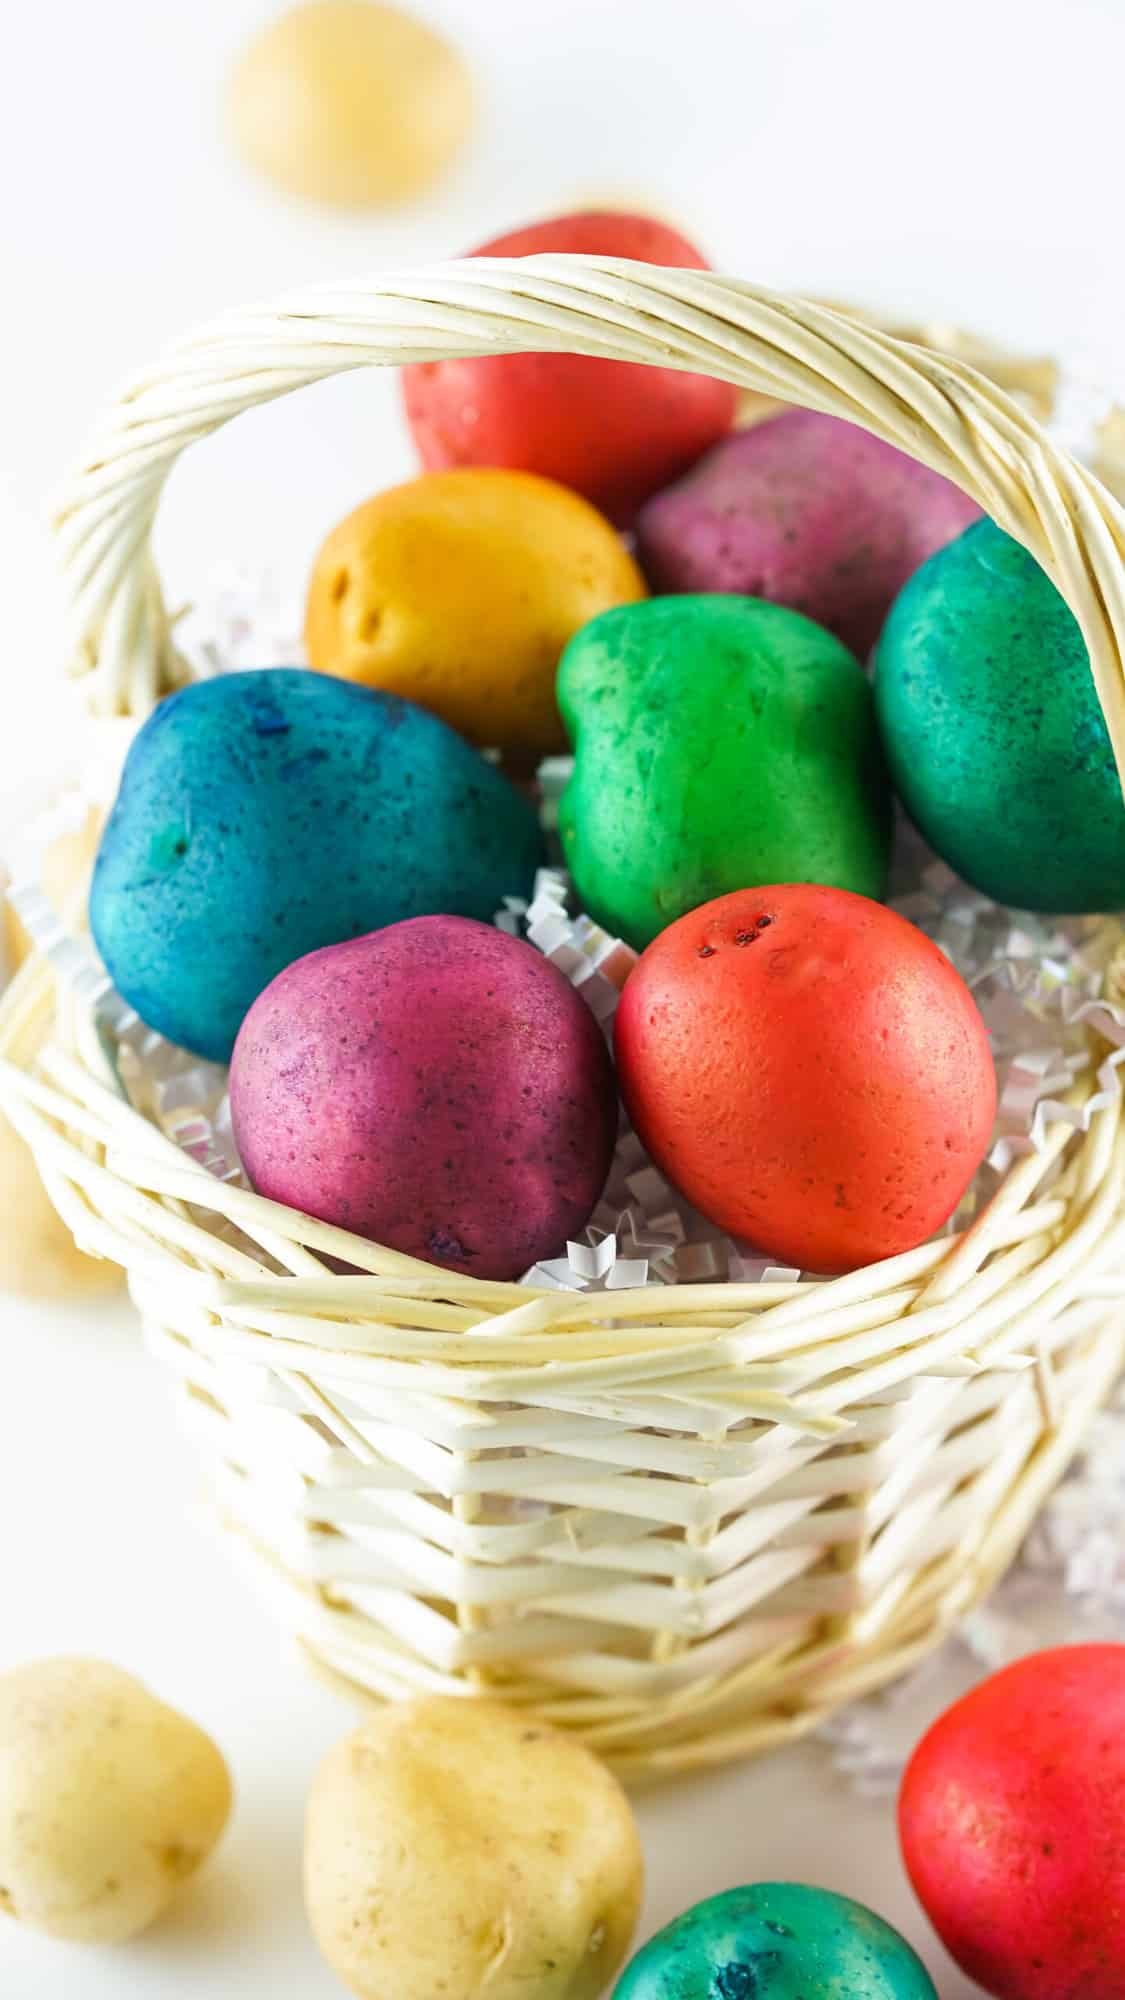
(439, 1087)
(718, 742)
(459, 591)
(65, 875)
(1012, 1820)
(38, 1255)
(810, 1071)
(461, 1849)
(776, 1941)
(263, 814)
(613, 430)
(807, 511)
(349, 102)
(108, 1800)
(994, 733)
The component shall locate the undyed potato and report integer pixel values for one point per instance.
(108, 1800)
(39, 1258)
(64, 877)
(455, 1847)
(350, 102)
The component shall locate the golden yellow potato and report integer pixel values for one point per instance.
(108, 1799)
(67, 866)
(459, 591)
(457, 1848)
(350, 102)
(38, 1255)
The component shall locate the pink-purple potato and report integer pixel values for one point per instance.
(436, 1086)
(809, 512)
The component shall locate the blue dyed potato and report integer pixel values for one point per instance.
(262, 815)
(776, 1941)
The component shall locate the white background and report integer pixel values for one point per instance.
(961, 160)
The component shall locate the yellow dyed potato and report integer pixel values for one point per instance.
(350, 102)
(457, 1848)
(38, 1255)
(67, 866)
(108, 1800)
(459, 591)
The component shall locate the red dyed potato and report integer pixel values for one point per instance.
(614, 430)
(1012, 1822)
(809, 1070)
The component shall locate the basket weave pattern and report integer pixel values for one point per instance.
(684, 1521)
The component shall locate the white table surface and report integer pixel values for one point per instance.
(961, 162)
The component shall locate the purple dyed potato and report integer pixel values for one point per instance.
(807, 511)
(437, 1086)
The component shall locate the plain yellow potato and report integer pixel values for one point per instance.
(1110, 462)
(350, 102)
(108, 1800)
(39, 1258)
(65, 877)
(459, 590)
(455, 1848)
(38, 1255)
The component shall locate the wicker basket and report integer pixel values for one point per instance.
(685, 1522)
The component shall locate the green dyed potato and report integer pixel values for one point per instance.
(993, 731)
(720, 743)
(776, 1941)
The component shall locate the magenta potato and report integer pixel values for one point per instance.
(436, 1086)
(809, 512)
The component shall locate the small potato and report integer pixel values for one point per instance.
(39, 1258)
(65, 876)
(38, 1255)
(807, 511)
(354, 1102)
(108, 1799)
(613, 431)
(455, 1847)
(267, 814)
(350, 102)
(459, 590)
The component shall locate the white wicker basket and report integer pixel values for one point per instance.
(684, 1521)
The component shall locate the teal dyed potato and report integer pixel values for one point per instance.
(776, 1941)
(263, 815)
(993, 732)
(720, 743)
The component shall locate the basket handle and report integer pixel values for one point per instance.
(935, 408)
